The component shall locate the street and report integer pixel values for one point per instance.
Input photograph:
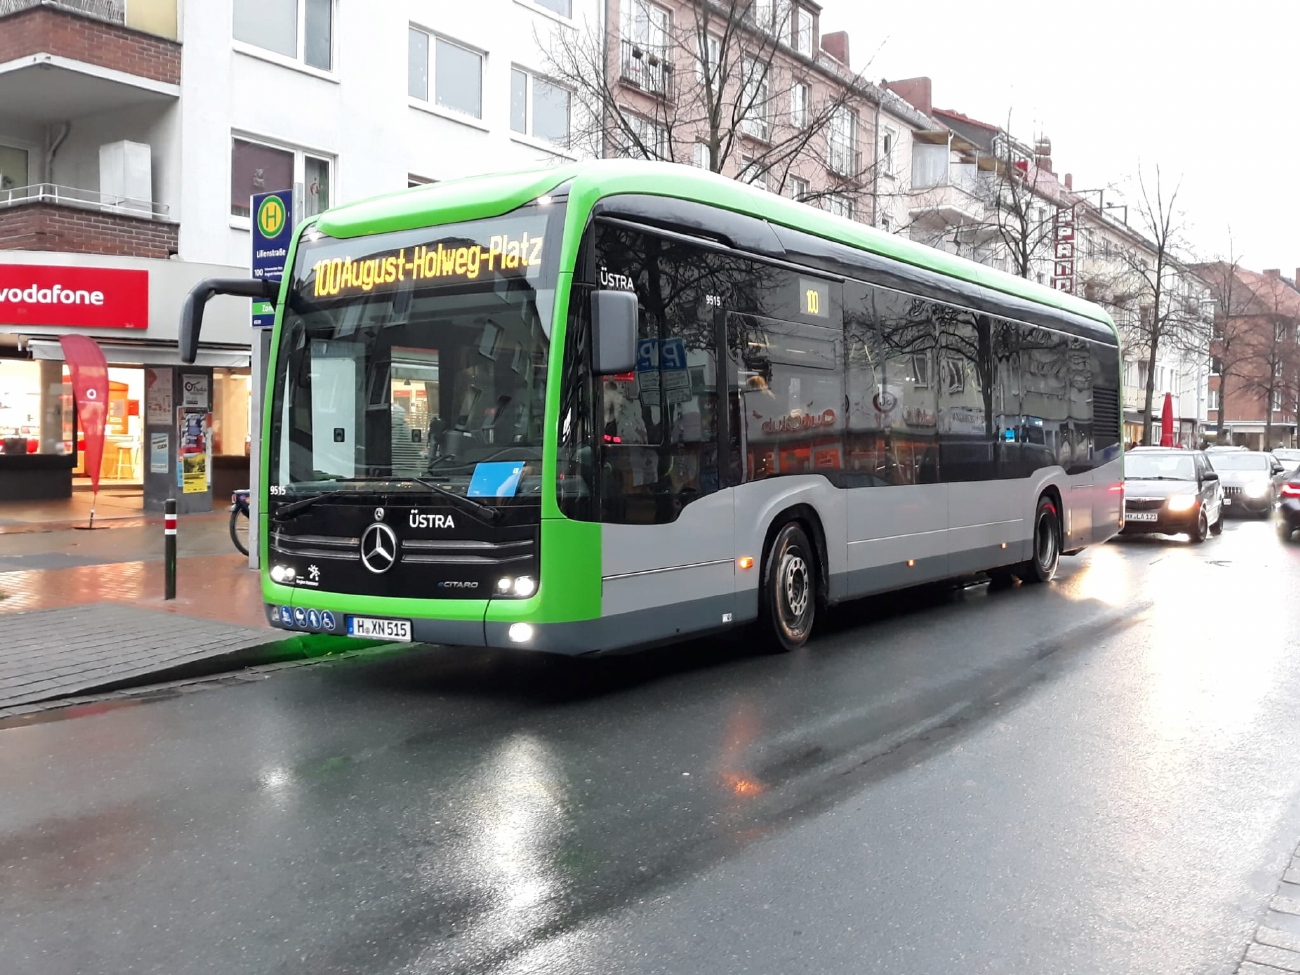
(1092, 776)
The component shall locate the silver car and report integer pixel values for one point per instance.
(1251, 480)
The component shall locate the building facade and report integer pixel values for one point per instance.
(132, 135)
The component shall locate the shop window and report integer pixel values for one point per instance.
(232, 399)
(36, 409)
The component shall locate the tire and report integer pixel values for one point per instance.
(1284, 531)
(1202, 529)
(1217, 527)
(1041, 567)
(239, 530)
(790, 574)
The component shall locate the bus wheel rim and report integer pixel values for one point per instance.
(794, 588)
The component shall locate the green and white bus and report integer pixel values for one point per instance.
(611, 404)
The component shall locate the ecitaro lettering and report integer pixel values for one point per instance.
(56, 295)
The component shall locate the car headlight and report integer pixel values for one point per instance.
(1181, 502)
(1255, 490)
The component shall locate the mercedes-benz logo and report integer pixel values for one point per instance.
(379, 548)
(379, 514)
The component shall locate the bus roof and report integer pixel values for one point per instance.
(492, 194)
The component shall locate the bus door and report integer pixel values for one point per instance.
(668, 539)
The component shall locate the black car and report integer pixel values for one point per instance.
(1168, 491)
(1288, 511)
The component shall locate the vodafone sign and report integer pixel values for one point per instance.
(79, 297)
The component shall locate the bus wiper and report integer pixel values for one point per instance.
(475, 507)
(294, 508)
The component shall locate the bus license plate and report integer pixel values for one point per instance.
(1142, 516)
(371, 628)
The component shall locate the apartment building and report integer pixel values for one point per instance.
(794, 117)
(132, 134)
(1254, 381)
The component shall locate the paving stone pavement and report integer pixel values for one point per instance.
(1275, 947)
(53, 653)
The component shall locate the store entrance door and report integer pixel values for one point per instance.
(122, 470)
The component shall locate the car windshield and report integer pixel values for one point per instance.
(1289, 457)
(1178, 467)
(1228, 461)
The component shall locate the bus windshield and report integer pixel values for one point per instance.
(408, 361)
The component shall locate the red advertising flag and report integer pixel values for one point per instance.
(90, 389)
(1167, 422)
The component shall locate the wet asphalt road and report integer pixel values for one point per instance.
(1095, 776)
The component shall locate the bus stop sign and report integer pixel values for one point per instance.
(272, 215)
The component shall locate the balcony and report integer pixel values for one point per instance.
(48, 217)
(945, 205)
(67, 59)
(646, 67)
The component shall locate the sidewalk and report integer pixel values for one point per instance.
(115, 507)
(85, 609)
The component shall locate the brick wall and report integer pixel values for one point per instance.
(48, 30)
(45, 227)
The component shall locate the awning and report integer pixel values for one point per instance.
(147, 354)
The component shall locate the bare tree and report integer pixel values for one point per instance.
(1230, 343)
(1165, 320)
(1017, 208)
(717, 79)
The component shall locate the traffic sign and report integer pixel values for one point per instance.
(272, 234)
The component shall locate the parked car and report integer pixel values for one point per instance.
(1252, 480)
(1289, 458)
(1288, 511)
(1168, 491)
(1220, 447)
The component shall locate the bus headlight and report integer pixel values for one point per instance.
(1181, 502)
(525, 586)
(520, 632)
(504, 585)
(282, 573)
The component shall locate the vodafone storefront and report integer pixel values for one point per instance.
(131, 307)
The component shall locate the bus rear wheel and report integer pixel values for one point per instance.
(789, 589)
(1041, 567)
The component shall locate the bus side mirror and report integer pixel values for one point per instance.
(197, 300)
(614, 317)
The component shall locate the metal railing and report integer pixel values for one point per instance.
(71, 196)
(113, 11)
(647, 67)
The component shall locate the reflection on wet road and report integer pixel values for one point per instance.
(1091, 776)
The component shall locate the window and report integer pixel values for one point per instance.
(803, 31)
(754, 173)
(539, 108)
(754, 100)
(645, 45)
(1276, 399)
(646, 140)
(562, 7)
(798, 188)
(771, 16)
(1213, 400)
(800, 96)
(701, 157)
(710, 53)
(457, 74)
(887, 152)
(13, 167)
(840, 206)
(842, 142)
(886, 224)
(259, 168)
(299, 29)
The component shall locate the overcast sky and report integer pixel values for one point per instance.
(1207, 92)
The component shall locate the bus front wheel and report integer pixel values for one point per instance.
(790, 589)
(1041, 567)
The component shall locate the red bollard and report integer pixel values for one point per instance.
(169, 542)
